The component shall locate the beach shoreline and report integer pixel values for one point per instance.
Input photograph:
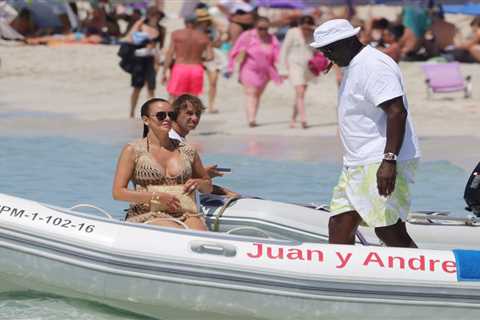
(79, 90)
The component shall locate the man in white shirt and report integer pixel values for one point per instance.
(189, 110)
(380, 146)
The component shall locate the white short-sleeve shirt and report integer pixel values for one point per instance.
(172, 134)
(370, 79)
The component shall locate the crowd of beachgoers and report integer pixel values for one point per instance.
(222, 37)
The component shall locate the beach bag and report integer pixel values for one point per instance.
(126, 53)
(187, 201)
(318, 63)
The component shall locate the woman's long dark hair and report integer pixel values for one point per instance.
(145, 111)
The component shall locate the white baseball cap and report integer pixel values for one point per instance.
(332, 31)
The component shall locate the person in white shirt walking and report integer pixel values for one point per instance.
(381, 149)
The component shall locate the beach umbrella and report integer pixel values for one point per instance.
(472, 9)
(44, 13)
(300, 4)
(281, 4)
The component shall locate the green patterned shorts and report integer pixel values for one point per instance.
(357, 191)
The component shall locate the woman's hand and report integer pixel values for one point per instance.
(191, 185)
(213, 172)
(170, 201)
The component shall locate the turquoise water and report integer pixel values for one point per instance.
(64, 172)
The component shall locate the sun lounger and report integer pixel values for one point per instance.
(446, 77)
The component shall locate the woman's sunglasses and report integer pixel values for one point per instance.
(162, 115)
(262, 28)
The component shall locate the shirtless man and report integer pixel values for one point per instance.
(188, 46)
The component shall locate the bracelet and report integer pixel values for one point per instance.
(155, 196)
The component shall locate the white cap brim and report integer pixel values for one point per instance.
(327, 41)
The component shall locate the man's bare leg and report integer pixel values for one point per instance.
(151, 93)
(342, 227)
(395, 235)
(212, 90)
(134, 101)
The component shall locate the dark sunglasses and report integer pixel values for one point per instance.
(162, 115)
(262, 29)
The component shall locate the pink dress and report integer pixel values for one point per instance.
(258, 66)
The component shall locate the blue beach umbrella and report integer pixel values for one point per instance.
(44, 12)
(300, 4)
(472, 9)
(281, 4)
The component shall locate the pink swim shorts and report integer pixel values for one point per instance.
(186, 78)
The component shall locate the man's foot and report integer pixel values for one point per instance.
(293, 124)
(304, 125)
(252, 124)
(213, 111)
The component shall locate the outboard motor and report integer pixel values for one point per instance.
(472, 192)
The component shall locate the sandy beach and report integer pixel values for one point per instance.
(79, 90)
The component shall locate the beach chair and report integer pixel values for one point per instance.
(446, 77)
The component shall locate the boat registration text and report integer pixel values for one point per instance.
(52, 220)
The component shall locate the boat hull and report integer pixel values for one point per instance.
(182, 274)
(168, 296)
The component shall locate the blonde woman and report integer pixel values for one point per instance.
(294, 57)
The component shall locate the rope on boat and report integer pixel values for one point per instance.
(86, 205)
(216, 223)
(183, 224)
(440, 216)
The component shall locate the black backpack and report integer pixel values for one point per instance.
(126, 52)
(472, 191)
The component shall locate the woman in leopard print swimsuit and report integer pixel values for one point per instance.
(158, 160)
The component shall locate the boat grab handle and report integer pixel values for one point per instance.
(232, 231)
(219, 249)
(85, 205)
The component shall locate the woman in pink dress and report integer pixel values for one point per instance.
(259, 52)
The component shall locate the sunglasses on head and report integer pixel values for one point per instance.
(162, 115)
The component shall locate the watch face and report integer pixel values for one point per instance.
(390, 156)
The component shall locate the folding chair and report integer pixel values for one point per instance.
(446, 77)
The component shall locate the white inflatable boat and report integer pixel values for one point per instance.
(183, 274)
(309, 223)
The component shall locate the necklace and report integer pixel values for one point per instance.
(169, 148)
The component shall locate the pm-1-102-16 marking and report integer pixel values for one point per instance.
(49, 219)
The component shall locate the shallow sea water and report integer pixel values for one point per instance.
(64, 171)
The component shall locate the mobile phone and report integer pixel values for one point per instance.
(223, 169)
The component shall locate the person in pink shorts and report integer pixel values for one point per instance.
(188, 46)
(186, 78)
